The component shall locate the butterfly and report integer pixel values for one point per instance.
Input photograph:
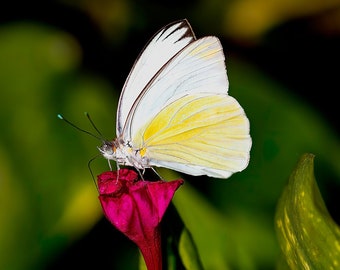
(174, 110)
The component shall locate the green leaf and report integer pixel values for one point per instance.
(308, 236)
(188, 251)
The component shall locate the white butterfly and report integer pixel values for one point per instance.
(175, 112)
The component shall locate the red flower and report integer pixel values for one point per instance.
(136, 207)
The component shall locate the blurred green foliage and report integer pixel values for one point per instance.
(42, 207)
(48, 201)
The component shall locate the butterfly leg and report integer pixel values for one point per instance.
(108, 161)
(154, 170)
(140, 173)
(89, 167)
(118, 168)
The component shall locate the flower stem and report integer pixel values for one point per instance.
(152, 251)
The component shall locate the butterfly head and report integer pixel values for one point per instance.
(124, 153)
(108, 149)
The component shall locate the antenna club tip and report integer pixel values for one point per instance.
(60, 116)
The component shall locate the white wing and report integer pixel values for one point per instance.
(197, 68)
(166, 43)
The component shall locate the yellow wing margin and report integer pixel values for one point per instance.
(201, 134)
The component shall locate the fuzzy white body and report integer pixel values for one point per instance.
(124, 154)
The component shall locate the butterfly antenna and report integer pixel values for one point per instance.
(80, 129)
(93, 125)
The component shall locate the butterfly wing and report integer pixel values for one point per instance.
(199, 134)
(197, 68)
(185, 120)
(164, 45)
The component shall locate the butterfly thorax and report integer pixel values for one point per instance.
(124, 153)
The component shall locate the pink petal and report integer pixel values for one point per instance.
(136, 208)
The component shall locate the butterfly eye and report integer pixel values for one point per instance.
(108, 149)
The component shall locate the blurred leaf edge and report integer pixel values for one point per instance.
(308, 236)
